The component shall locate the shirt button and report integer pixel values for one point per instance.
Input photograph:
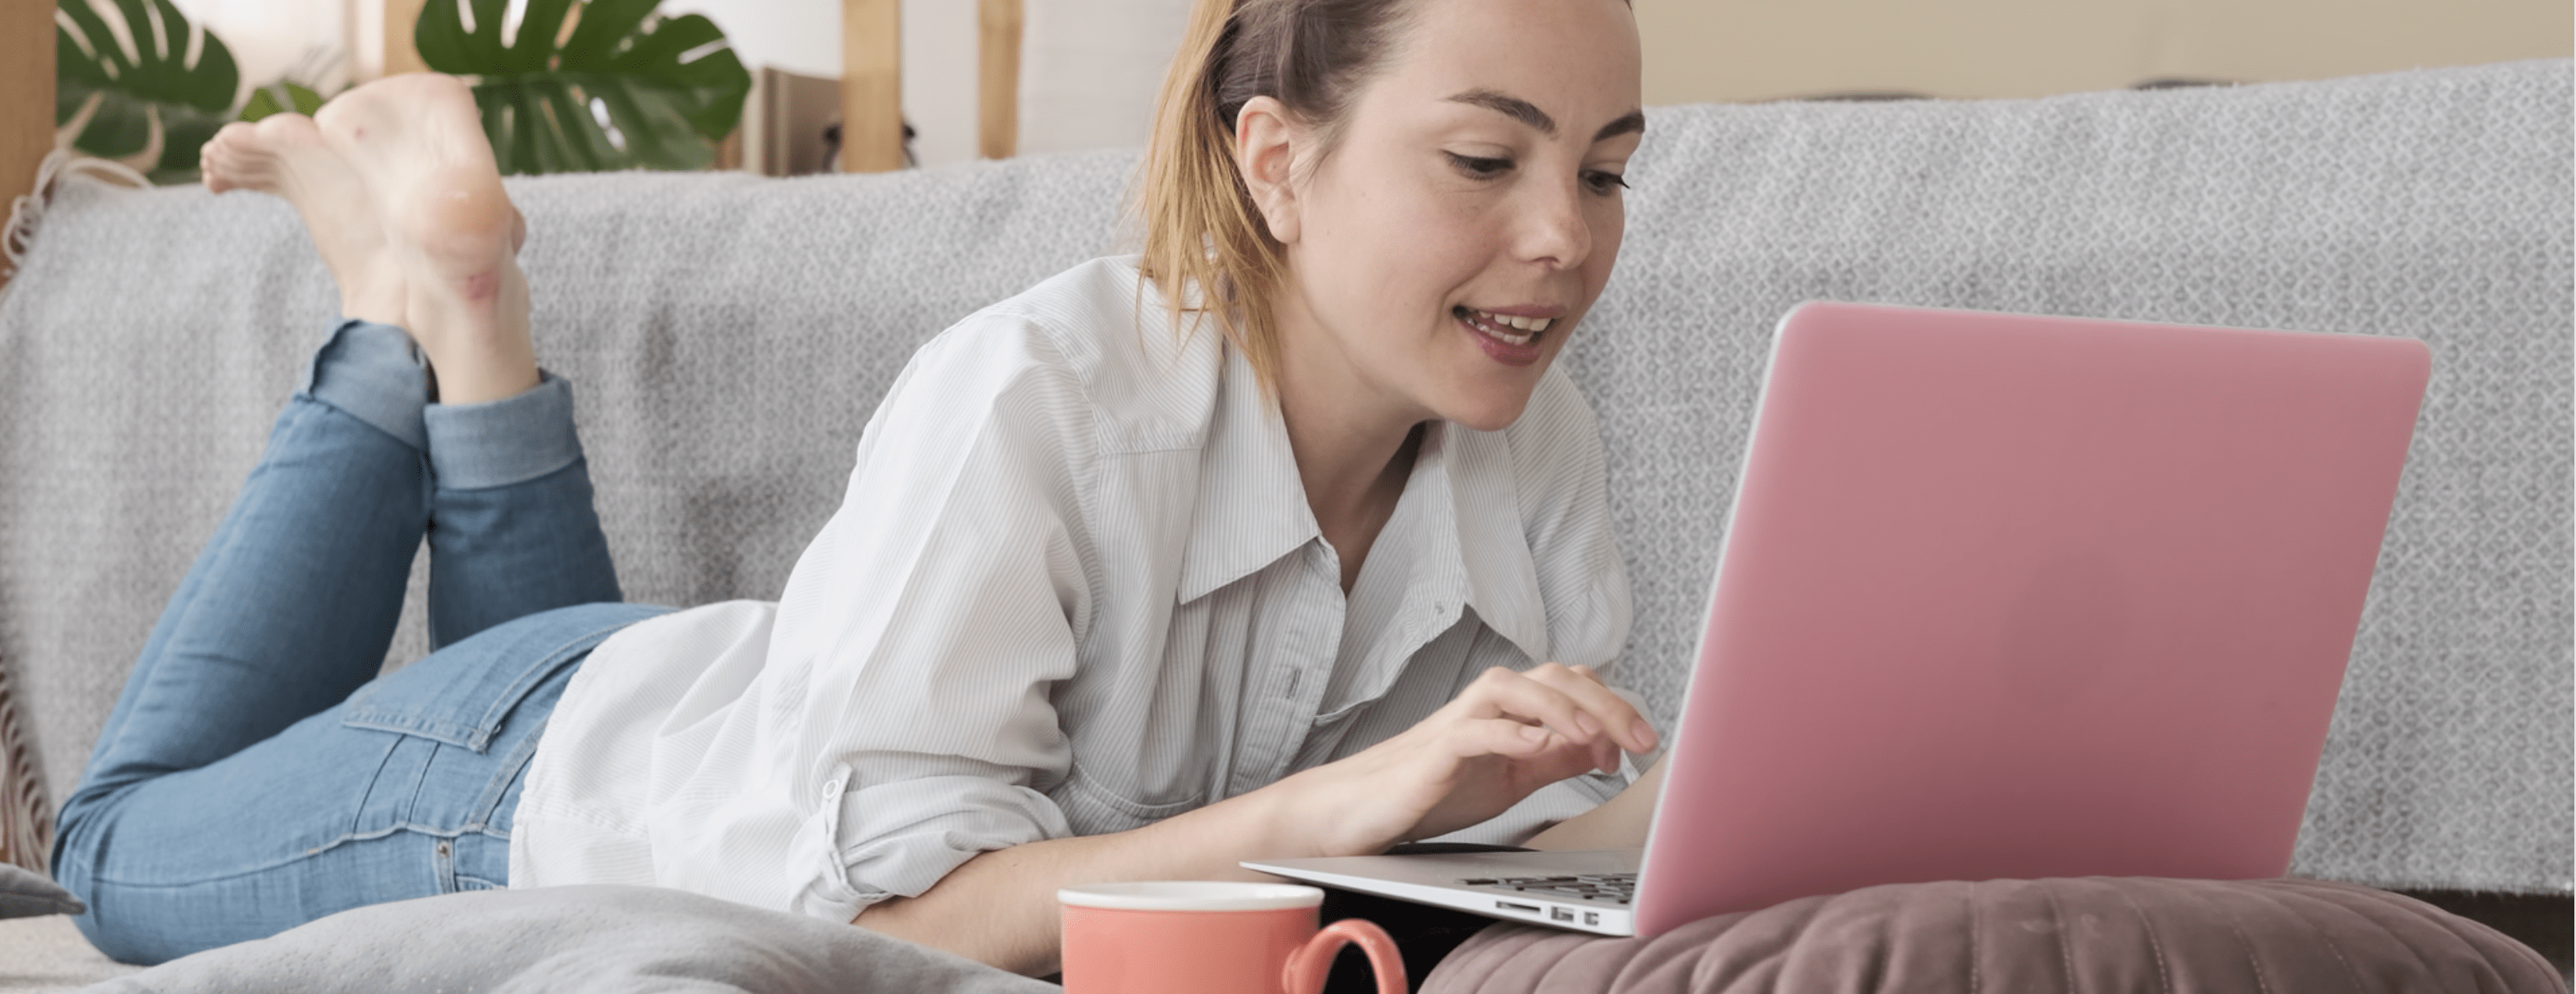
(832, 787)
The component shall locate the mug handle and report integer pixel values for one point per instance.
(1308, 966)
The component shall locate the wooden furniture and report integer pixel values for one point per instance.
(26, 95)
(997, 77)
(871, 85)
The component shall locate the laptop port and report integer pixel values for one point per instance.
(1560, 914)
(1526, 909)
(1592, 918)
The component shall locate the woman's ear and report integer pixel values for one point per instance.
(1266, 143)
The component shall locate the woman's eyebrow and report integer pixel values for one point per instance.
(1634, 120)
(1528, 113)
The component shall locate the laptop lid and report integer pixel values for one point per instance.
(2011, 597)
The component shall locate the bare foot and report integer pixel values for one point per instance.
(418, 145)
(416, 142)
(284, 154)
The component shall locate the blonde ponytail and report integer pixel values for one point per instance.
(1205, 244)
(1204, 239)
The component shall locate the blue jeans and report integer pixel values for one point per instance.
(255, 774)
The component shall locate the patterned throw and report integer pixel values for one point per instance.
(727, 337)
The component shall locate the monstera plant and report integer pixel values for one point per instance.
(152, 105)
(626, 89)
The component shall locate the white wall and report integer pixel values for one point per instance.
(270, 38)
(1089, 69)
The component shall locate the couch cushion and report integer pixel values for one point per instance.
(727, 337)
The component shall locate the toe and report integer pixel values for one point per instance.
(283, 131)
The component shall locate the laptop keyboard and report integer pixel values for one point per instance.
(1617, 888)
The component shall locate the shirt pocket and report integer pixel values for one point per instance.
(1093, 806)
(460, 695)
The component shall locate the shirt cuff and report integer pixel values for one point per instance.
(900, 839)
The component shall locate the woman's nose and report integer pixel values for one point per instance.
(1553, 231)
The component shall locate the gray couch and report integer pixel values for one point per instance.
(728, 336)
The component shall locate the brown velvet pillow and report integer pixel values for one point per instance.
(2096, 935)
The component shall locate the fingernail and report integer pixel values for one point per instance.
(1642, 732)
(1584, 721)
(1533, 733)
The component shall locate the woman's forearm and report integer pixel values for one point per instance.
(1507, 734)
(1619, 823)
(999, 908)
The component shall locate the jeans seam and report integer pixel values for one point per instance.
(366, 836)
(526, 683)
(487, 808)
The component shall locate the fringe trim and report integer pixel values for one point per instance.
(26, 826)
(27, 210)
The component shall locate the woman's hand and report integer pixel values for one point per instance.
(1507, 735)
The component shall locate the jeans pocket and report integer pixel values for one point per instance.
(461, 694)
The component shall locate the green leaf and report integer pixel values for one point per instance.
(542, 104)
(281, 97)
(262, 103)
(154, 90)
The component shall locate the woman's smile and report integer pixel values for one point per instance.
(1512, 337)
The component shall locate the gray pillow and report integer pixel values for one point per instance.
(591, 939)
(25, 893)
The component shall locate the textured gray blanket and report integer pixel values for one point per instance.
(572, 940)
(728, 336)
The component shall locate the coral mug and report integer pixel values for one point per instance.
(1194, 937)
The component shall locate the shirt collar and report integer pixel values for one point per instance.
(1252, 504)
(1252, 510)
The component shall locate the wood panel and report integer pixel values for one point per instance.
(26, 95)
(401, 56)
(997, 77)
(871, 85)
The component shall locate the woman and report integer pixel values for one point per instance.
(1241, 548)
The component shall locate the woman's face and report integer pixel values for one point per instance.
(1444, 249)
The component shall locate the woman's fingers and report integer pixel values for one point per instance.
(1626, 726)
(1551, 756)
(1636, 734)
(1569, 701)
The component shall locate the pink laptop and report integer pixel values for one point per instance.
(2001, 597)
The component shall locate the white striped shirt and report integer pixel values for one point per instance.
(1075, 588)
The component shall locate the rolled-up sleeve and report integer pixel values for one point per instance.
(901, 722)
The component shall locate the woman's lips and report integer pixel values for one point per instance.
(1509, 339)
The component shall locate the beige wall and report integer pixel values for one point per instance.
(1731, 50)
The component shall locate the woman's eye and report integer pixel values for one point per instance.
(1604, 181)
(1478, 167)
